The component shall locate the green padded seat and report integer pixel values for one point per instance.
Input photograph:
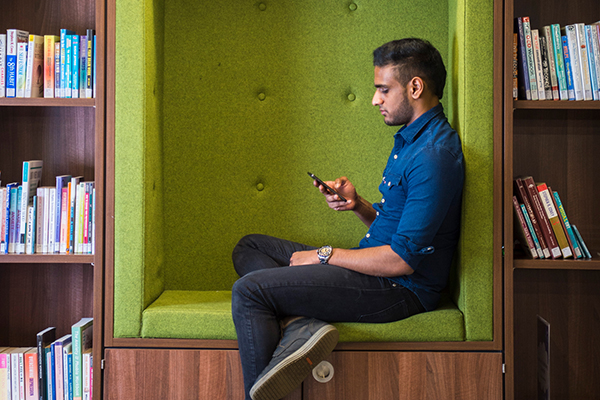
(192, 314)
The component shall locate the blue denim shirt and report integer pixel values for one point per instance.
(419, 212)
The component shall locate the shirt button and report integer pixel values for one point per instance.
(368, 235)
(383, 200)
(377, 213)
(395, 156)
(389, 183)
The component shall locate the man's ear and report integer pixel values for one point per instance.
(416, 86)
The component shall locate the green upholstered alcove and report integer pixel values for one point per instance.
(222, 108)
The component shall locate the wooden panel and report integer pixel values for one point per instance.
(413, 375)
(34, 297)
(47, 17)
(154, 374)
(570, 302)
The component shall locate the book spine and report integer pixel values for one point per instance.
(596, 51)
(89, 62)
(540, 213)
(46, 222)
(583, 62)
(589, 39)
(67, 66)
(37, 82)
(31, 222)
(560, 62)
(12, 217)
(515, 66)
(61, 182)
(41, 201)
(546, 69)
(82, 65)
(29, 66)
(51, 218)
(568, 69)
(549, 42)
(57, 67)
(94, 68)
(525, 235)
(74, 66)
(19, 240)
(31, 376)
(21, 69)
(64, 219)
(530, 59)
(13, 38)
(49, 42)
(58, 370)
(582, 244)
(521, 192)
(575, 61)
(568, 228)
(536, 242)
(539, 69)
(2, 65)
(2, 220)
(6, 220)
(552, 215)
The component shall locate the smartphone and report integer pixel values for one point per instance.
(329, 188)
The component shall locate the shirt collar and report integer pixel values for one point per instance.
(411, 131)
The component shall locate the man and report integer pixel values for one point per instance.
(401, 264)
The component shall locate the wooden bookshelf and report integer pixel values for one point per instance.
(556, 142)
(42, 290)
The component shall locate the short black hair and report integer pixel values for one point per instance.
(413, 57)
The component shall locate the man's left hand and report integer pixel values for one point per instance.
(307, 257)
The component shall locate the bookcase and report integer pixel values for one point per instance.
(42, 290)
(556, 142)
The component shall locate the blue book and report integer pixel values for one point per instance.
(538, 247)
(74, 66)
(63, 60)
(13, 38)
(581, 243)
(50, 365)
(568, 69)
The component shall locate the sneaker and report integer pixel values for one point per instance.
(305, 343)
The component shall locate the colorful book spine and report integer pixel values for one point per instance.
(13, 38)
(536, 241)
(582, 244)
(34, 84)
(568, 68)
(524, 233)
(559, 62)
(2, 219)
(21, 68)
(32, 175)
(82, 340)
(12, 207)
(49, 45)
(75, 66)
(72, 215)
(61, 183)
(31, 227)
(583, 62)
(82, 65)
(553, 217)
(530, 58)
(596, 51)
(575, 62)
(31, 375)
(589, 39)
(2, 65)
(540, 213)
(89, 64)
(57, 68)
(563, 215)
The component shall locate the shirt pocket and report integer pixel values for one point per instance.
(391, 181)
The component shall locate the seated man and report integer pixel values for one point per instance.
(288, 292)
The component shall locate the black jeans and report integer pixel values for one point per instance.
(270, 290)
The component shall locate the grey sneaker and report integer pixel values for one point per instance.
(305, 343)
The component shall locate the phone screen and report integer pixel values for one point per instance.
(329, 188)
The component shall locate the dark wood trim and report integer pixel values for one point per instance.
(556, 105)
(43, 102)
(592, 265)
(47, 258)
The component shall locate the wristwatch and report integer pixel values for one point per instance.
(324, 253)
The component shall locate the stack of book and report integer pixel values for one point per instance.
(556, 63)
(541, 224)
(57, 369)
(48, 66)
(47, 219)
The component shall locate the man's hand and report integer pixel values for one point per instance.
(307, 257)
(345, 188)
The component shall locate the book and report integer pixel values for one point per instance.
(554, 220)
(65, 206)
(4, 375)
(583, 61)
(515, 69)
(2, 65)
(66, 67)
(541, 216)
(31, 375)
(546, 69)
(58, 353)
(21, 68)
(34, 82)
(537, 60)
(591, 56)
(68, 369)
(86, 374)
(522, 195)
(532, 232)
(72, 212)
(82, 340)
(51, 218)
(550, 54)
(61, 183)
(17, 371)
(567, 226)
(89, 64)
(94, 68)
(82, 65)
(13, 38)
(568, 69)
(560, 62)
(523, 233)
(44, 339)
(57, 67)
(4, 198)
(31, 227)
(596, 50)
(50, 373)
(12, 207)
(74, 66)
(40, 217)
(581, 243)
(570, 31)
(49, 46)
(32, 176)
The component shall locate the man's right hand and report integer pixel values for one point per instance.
(345, 188)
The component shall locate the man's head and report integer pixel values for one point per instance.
(413, 57)
(409, 78)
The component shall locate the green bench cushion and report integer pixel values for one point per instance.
(189, 314)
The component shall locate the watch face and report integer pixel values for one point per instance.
(324, 251)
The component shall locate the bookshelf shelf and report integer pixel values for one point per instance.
(593, 264)
(46, 258)
(556, 105)
(42, 102)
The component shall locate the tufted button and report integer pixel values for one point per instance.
(262, 6)
(260, 187)
(352, 6)
(351, 97)
(262, 96)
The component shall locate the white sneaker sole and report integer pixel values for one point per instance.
(289, 373)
